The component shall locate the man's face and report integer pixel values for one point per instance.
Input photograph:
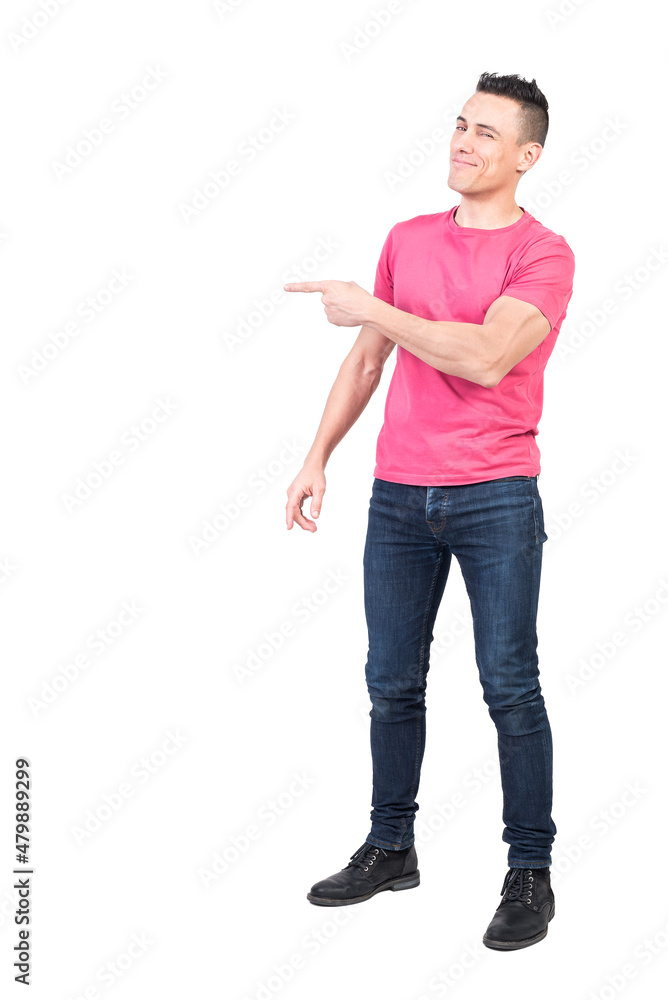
(484, 155)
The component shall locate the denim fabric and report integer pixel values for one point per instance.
(495, 531)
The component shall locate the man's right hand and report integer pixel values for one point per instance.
(310, 482)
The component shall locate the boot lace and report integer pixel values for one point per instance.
(365, 857)
(518, 884)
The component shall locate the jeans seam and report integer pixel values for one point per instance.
(426, 512)
(528, 864)
(390, 847)
(421, 665)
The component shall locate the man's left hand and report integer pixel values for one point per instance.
(345, 302)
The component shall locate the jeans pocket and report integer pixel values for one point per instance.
(539, 520)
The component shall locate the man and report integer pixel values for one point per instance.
(473, 298)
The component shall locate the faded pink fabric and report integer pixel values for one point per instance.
(441, 429)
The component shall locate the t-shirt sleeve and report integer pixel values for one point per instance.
(544, 277)
(383, 287)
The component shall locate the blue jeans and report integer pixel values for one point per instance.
(495, 530)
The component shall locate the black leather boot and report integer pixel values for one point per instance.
(370, 870)
(526, 908)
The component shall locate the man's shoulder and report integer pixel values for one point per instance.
(419, 222)
(543, 238)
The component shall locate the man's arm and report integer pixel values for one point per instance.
(480, 352)
(353, 387)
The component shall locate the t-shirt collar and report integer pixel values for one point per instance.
(452, 225)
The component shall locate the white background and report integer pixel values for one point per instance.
(115, 867)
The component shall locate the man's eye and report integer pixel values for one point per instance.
(487, 135)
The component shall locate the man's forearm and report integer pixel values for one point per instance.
(461, 349)
(350, 393)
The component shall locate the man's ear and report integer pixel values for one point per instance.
(530, 156)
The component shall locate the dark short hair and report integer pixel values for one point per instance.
(533, 119)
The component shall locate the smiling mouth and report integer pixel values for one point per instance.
(463, 163)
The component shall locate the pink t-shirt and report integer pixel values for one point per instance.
(440, 429)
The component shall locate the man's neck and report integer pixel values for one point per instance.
(473, 214)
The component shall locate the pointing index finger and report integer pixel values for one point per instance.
(305, 286)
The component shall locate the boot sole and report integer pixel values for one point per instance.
(395, 884)
(514, 945)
